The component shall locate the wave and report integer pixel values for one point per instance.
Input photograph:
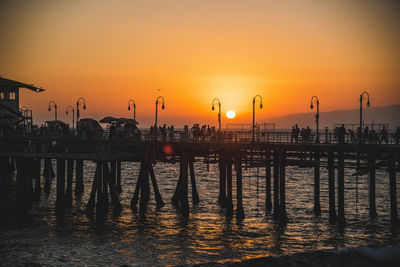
(387, 256)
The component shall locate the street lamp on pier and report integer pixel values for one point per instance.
(219, 111)
(73, 116)
(79, 102)
(55, 108)
(254, 115)
(132, 102)
(314, 98)
(368, 104)
(163, 107)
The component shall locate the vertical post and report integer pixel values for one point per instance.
(276, 183)
(229, 204)
(239, 209)
(282, 194)
(79, 177)
(222, 179)
(60, 199)
(100, 211)
(317, 205)
(184, 194)
(145, 190)
(106, 174)
(119, 187)
(371, 165)
(70, 174)
(268, 204)
(331, 182)
(393, 192)
(195, 194)
(159, 201)
(36, 174)
(341, 219)
(46, 174)
(113, 172)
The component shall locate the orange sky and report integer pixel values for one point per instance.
(286, 51)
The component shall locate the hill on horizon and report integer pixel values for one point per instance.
(377, 115)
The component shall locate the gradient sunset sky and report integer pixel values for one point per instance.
(286, 51)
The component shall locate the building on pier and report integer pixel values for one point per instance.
(11, 114)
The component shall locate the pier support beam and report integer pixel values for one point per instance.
(372, 179)
(268, 200)
(113, 192)
(118, 185)
(195, 194)
(331, 185)
(282, 187)
(70, 174)
(341, 219)
(239, 208)
(393, 192)
(222, 180)
(4, 178)
(100, 210)
(317, 205)
(79, 178)
(276, 183)
(229, 202)
(159, 202)
(60, 198)
(36, 175)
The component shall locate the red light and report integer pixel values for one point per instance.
(168, 150)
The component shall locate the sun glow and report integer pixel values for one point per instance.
(230, 114)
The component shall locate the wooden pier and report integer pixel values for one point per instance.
(22, 158)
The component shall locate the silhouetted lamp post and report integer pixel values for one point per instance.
(219, 111)
(163, 107)
(73, 116)
(55, 108)
(368, 104)
(132, 102)
(316, 115)
(80, 101)
(254, 109)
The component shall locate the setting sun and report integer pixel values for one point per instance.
(230, 114)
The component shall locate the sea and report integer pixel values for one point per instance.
(208, 236)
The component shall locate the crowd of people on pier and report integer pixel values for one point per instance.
(304, 135)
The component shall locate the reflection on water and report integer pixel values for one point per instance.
(165, 237)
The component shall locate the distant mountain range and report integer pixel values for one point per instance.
(385, 114)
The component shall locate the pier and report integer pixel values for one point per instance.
(30, 161)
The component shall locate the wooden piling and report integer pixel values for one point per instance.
(46, 175)
(282, 187)
(341, 219)
(372, 179)
(184, 200)
(393, 192)
(60, 198)
(239, 208)
(113, 171)
(135, 197)
(100, 210)
(159, 201)
(276, 183)
(92, 199)
(79, 188)
(145, 190)
(331, 185)
(268, 200)
(195, 194)
(317, 205)
(36, 175)
(229, 202)
(4, 177)
(70, 174)
(222, 180)
(118, 185)
(106, 177)
(113, 192)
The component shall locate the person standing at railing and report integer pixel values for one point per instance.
(397, 135)
(384, 135)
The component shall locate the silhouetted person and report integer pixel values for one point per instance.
(384, 135)
(341, 133)
(397, 135)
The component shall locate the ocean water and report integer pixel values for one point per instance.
(164, 237)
